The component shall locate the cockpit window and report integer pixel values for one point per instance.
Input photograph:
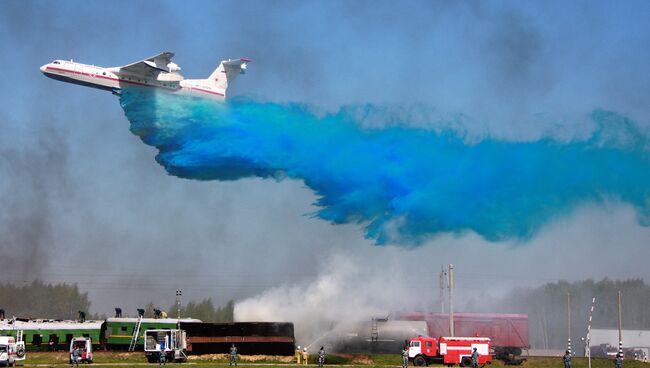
(56, 62)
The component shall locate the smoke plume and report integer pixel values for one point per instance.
(344, 293)
(404, 184)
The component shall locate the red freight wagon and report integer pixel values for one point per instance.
(508, 332)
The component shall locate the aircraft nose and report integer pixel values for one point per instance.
(43, 68)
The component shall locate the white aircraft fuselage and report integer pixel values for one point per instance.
(157, 72)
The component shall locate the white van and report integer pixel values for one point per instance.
(85, 346)
(11, 351)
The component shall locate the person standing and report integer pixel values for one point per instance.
(233, 355)
(305, 356)
(405, 357)
(321, 357)
(162, 358)
(298, 355)
(475, 358)
(618, 362)
(567, 359)
(74, 357)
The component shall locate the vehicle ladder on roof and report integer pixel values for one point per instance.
(136, 332)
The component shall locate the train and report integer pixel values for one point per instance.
(116, 333)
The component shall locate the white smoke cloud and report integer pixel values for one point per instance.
(347, 291)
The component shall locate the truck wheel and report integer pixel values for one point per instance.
(419, 361)
(466, 362)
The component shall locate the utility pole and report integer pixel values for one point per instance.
(443, 277)
(568, 310)
(451, 300)
(179, 293)
(620, 326)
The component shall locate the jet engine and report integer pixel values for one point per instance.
(172, 67)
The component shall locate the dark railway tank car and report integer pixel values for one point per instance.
(251, 338)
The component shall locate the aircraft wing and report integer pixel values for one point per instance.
(150, 66)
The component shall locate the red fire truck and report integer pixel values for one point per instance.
(508, 332)
(449, 350)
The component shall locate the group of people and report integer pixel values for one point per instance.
(302, 356)
(618, 361)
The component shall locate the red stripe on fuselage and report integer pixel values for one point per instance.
(132, 82)
(206, 91)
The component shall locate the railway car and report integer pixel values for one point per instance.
(44, 334)
(251, 338)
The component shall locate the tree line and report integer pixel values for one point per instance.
(64, 301)
(205, 311)
(547, 309)
(42, 300)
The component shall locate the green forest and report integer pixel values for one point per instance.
(206, 311)
(41, 300)
(547, 311)
(64, 301)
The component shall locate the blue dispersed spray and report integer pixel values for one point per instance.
(404, 184)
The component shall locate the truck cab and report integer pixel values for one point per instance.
(423, 350)
(85, 346)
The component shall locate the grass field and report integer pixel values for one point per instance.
(119, 359)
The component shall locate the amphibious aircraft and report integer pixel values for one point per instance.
(156, 72)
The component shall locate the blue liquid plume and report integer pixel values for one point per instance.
(403, 184)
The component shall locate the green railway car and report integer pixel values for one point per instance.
(43, 334)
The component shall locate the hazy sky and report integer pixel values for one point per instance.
(82, 199)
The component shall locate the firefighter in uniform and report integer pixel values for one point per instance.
(298, 355)
(162, 358)
(74, 357)
(475, 359)
(405, 358)
(233, 355)
(618, 362)
(567, 359)
(321, 357)
(305, 356)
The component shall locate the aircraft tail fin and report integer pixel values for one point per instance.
(227, 71)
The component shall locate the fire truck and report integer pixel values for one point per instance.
(449, 350)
